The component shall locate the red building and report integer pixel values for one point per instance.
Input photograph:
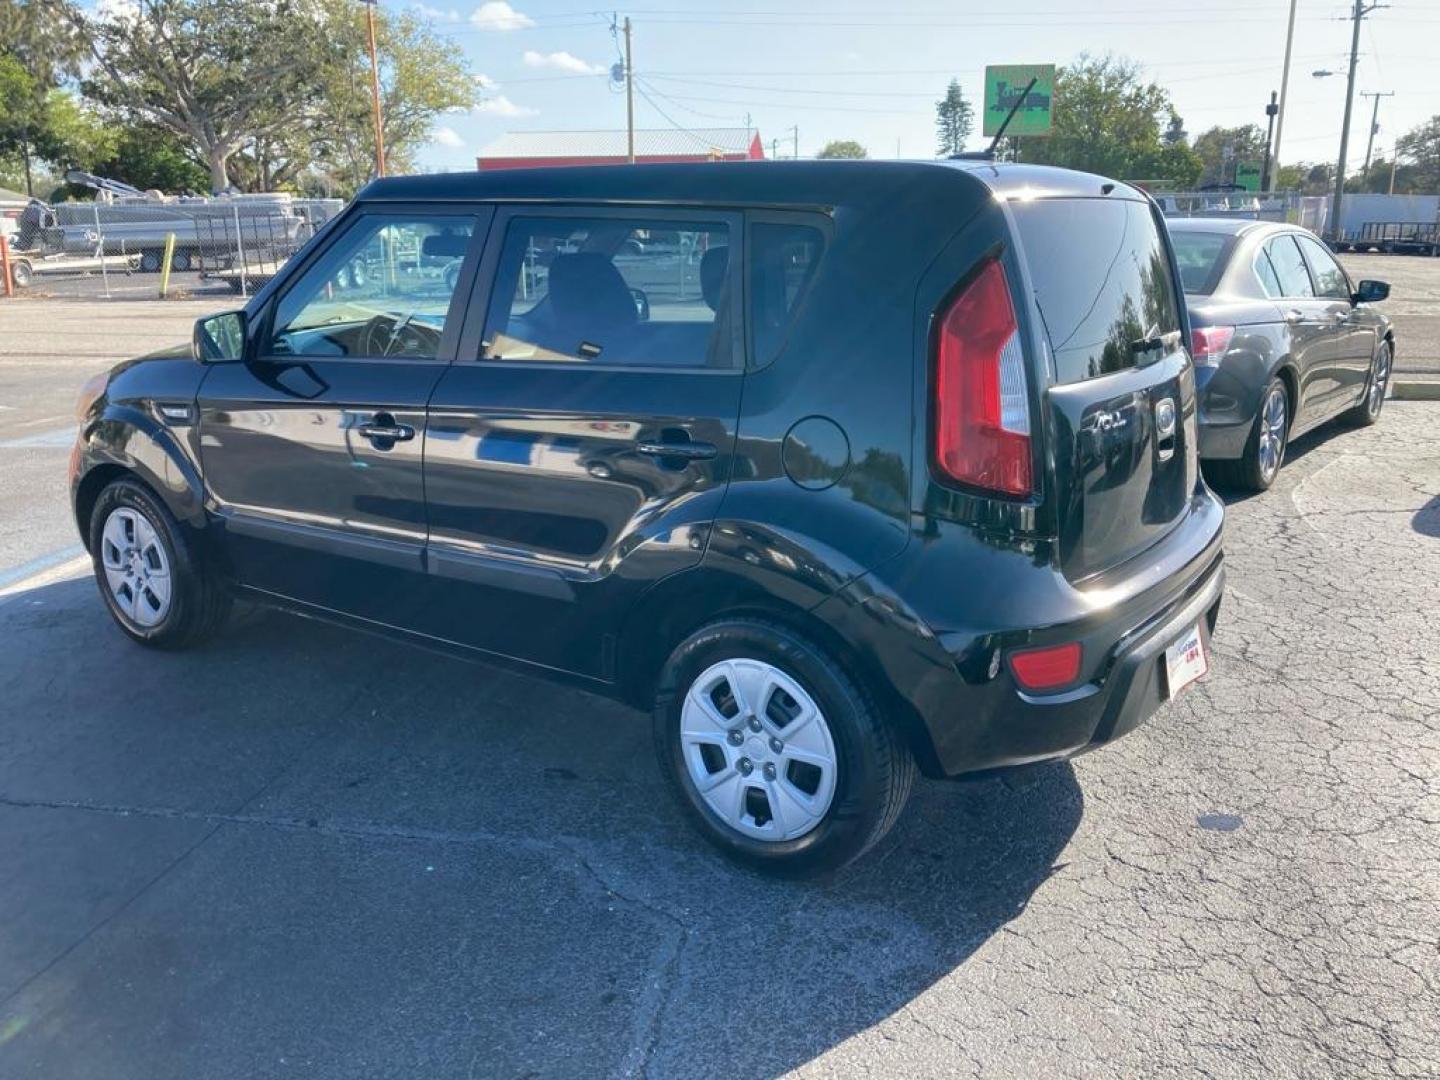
(529, 149)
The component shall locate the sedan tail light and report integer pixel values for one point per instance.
(1209, 344)
(981, 407)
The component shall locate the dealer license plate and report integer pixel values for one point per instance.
(1185, 661)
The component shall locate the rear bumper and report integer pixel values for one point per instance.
(955, 692)
(1227, 411)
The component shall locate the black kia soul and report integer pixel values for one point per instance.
(844, 469)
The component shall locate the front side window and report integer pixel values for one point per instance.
(382, 290)
(1289, 267)
(1330, 280)
(636, 292)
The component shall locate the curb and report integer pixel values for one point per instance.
(1415, 389)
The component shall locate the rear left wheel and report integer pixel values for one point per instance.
(781, 758)
(1265, 449)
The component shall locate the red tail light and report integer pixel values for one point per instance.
(981, 408)
(1047, 668)
(1208, 344)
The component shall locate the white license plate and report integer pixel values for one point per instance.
(1185, 661)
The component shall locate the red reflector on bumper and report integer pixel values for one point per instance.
(1047, 668)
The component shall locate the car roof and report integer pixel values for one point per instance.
(1227, 225)
(804, 183)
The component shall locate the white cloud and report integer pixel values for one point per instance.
(446, 136)
(560, 61)
(503, 106)
(499, 16)
(436, 14)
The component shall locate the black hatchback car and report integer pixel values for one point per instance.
(843, 469)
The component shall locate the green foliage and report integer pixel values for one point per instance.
(151, 157)
(1419, 149)
(1221, 148)
(954, 121)
(842, 148)
(1108, 121)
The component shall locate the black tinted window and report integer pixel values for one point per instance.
(632, 291)
(782, 262)
(1102, 281)
(1289, 267)
(1201, 258)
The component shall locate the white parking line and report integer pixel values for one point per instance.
(71, 566)
(59, 438)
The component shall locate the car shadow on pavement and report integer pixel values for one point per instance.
(1427, 519)
(466, 863)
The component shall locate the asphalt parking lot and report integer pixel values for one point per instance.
(301, 851)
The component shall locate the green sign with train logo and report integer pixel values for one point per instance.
(1004, 84)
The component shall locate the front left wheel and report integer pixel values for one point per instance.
(157, 589)
(782, 759)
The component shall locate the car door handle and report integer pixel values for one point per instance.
(384, 429)
(1294, 316)
(691, 451)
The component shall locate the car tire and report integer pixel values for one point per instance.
(838, 781)
(21, 273)
(155, 585)
(1264, 452)
(1376, 385)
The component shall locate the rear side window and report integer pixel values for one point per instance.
(1201, 257)
(1265, 271)
(1289, 267)
(783, 259)
(611, 290)
(1102, 281)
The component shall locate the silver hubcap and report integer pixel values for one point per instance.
(1272, 432)
(137, 571)
(1378, 380)
(758, 750)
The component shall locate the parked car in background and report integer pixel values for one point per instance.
(908, 483)
(1283, 341)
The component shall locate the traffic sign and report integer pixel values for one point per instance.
(1247, 175)
(1004, 83)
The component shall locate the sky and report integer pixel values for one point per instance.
(871, 71)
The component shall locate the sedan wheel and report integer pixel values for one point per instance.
(137, 569)
(758, 750)
(1270, 451)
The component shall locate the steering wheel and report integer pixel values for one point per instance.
(386, 335)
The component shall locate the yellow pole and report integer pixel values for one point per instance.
(165, 264)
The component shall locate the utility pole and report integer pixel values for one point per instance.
(1374, 122)
(375, 89)
(629, 98)
(774, 148)
(795, 131)
(1361, 10)
(1270, 111)
(1284, 87)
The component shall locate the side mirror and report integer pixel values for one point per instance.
(642, 305)
(220, 337)
(1370, 292)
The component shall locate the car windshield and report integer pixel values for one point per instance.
(1201, 257)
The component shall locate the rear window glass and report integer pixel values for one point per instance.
(1102, 281)
(1201, 257)
(782, 262)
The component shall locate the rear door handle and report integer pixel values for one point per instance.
(1294, 316)
(691, 451)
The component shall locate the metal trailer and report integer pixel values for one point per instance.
(26, 267)
(1394, 238)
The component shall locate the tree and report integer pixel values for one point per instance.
(1175, 133)
(1107, 120)
(1221, 148)
(954, 120)
(842, 148)
(422, 76)
(1420, 148)
(213, 72)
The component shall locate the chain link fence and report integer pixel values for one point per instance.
(158, 247)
